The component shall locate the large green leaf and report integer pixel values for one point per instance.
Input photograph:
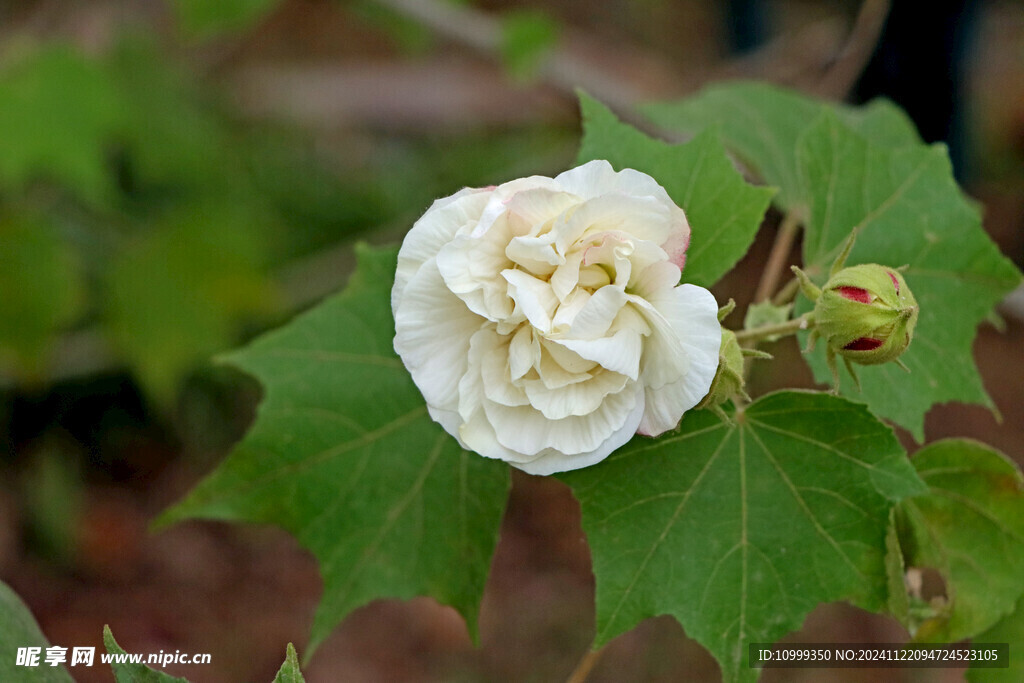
(1009, 630)
(18, 629)
(739, 529)
(762, 124)
(910, 211)
(344, 455)
(842, 167)
(969, 526)
(723, 210)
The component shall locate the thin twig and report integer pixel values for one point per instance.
(777, 257)
(786, 293)
(582, 670)
(839, 79)
(789, 327)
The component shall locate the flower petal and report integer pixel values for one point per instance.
(442, 221)
(433, 328)
(550, 461)
(578, 398)
(525, 430)
(693, 313)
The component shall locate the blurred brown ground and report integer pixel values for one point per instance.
(241, 592)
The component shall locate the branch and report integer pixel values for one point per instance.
(778, 256)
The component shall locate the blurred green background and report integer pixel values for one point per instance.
(176, 177)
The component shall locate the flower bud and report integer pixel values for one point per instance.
(728, 381)
(866, 314)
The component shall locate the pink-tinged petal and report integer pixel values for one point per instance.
(858, 294)
(433, 328)
(864, 344)
(678, 242)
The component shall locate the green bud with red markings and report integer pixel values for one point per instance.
(866, 314)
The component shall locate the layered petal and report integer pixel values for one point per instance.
(543, 321)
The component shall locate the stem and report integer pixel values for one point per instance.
(582, 670)
(840, 78)
(777, 257)
(787, 293)
(789, 327)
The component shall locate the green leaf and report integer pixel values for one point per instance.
(42, 289)
(724, 211)
(126, 672)
(762, 124)
(880, 122)
(527, 36)
(740, 529)
(899, 600)
(180, 293)
(344, 455)
(910, 211)
(289, 671)
(767, 313)
(841, 167)
(1009, 630)
(19, 629)
(204, 18)
(970, 527)
(58, 111)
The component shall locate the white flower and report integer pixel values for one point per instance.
(543, 320)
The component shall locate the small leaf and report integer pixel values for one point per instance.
(723, 210)
(42, 290)
(64, 108)
(204, 18)
(344, 455)
(527, 36)
(19, 629)
(970, 527)
(740, 529)
(180, 294)
(843, 167)
(1009, 630)
(289, 671)
(766, 313)
(127, 672)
